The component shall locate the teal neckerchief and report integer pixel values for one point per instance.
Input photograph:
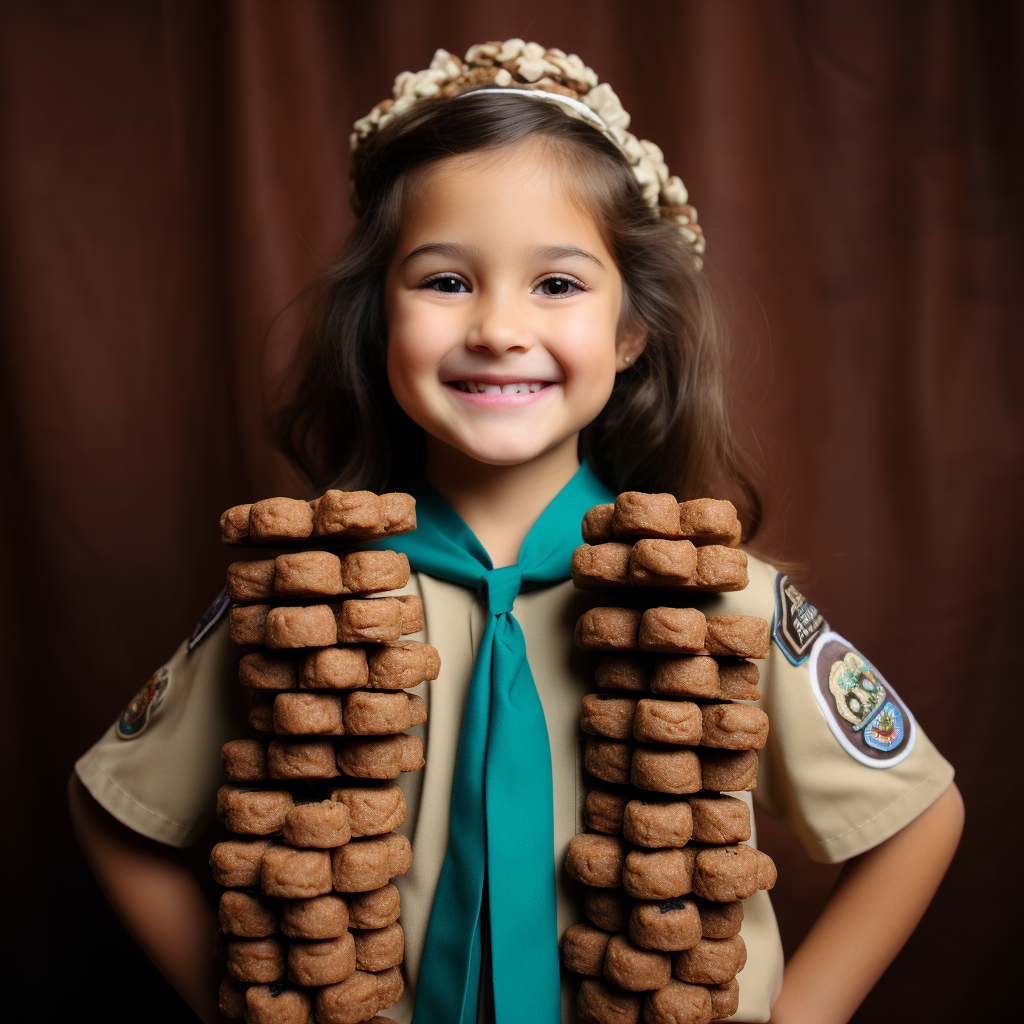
(502, 819)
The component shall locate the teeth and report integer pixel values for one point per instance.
(480, 388)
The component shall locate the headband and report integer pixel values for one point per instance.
(528, 69)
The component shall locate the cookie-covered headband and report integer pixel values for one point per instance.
(532, 70)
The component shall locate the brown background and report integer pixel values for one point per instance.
(175, 174)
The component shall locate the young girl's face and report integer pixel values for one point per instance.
(502, 305)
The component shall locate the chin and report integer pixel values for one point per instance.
(501, 452)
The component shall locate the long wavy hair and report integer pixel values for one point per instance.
(665, 426)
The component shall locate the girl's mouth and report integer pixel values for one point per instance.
(522, 387)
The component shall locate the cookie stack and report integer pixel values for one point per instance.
(665, 864)
(309, 914)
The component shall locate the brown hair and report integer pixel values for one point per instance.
(665, 426)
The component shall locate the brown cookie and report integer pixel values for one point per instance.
(709, 521)
(334, 668)
(253, 811)
(375, 908)
(321, 961)
(603, 811)
(321, 825)
(672, 630)
(640, 515)
(658, 874)
(720, 569)
(678, 1003)
(412, 613)
(597, 524)
(246, 914)
(304, 574)
(261, 710)
(265, 670)
(308, 714)
(668, 925)
(738, 679)
(596, 860)
(236, 862)
(583, 949)
(725, 873)
(657, 823)
(245, 760)
(605, 715)
(295, 874)
(257, 961)
(622, 672)
(398, 513)
(402, 664)
(234, 525)
(390, 987)
(720, 920)
(374, 807)
(734, 727)
(667, 721)
(725, 999)
(608, 760)
(305, 758)
(231, 998)
(634, 968)
(720, 819)
(742, 636)
(277, 519)
(600, 565)
(710, 961)
(251, 581)
(666, 770)
(686, 675)
(386, 757)
(372, 572)
(376, 713)
(370, 863)
(290, 626)
(379, 948)
(608, 629)
(609, 909)
(247, 623)
(371, 619)
(662, 563)
(600, 1002)
(728, 771)
(354, 999)
(277, 1004)
(320, 917)
(351, 514)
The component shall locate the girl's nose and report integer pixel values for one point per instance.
(499, 328)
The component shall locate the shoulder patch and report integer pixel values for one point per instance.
(133, 720)
(797, 622)
(210, 618)
(864, 712)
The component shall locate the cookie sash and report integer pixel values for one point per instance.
(502, 775)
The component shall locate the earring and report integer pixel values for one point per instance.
(628, 360)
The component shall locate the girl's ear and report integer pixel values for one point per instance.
(631, 342)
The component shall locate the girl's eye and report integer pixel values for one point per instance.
(559, 285)
(447, 283)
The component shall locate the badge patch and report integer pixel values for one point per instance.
(133, 720)
(210, 618)
(797, 622)
(864, 712)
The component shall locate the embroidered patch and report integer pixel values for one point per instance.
(864, 712)
(210, 618)
(133, 720)
(797, 622)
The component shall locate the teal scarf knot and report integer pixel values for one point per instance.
(500, 859)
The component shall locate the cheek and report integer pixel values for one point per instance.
(417, 342)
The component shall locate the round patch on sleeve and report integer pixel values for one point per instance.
(797, 622)
(133, 720)
(864, 712)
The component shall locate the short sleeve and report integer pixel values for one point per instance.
(845, 766)
(158, 767)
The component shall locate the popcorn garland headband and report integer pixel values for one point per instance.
(529, 69)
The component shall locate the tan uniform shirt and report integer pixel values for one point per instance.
(162, 782)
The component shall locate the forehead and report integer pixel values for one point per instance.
(520, 193)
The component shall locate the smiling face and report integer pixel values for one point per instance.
(502, 304)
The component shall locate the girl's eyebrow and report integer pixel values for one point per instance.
(449, 249)
(543, 254)
(562, 252)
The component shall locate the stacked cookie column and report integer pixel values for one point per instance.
(309, 912)
(665, 864)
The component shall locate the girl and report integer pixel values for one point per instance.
(517, 329)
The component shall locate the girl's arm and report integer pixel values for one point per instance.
(823, 983)
(157, 898)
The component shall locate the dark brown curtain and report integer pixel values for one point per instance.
(176, 173)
